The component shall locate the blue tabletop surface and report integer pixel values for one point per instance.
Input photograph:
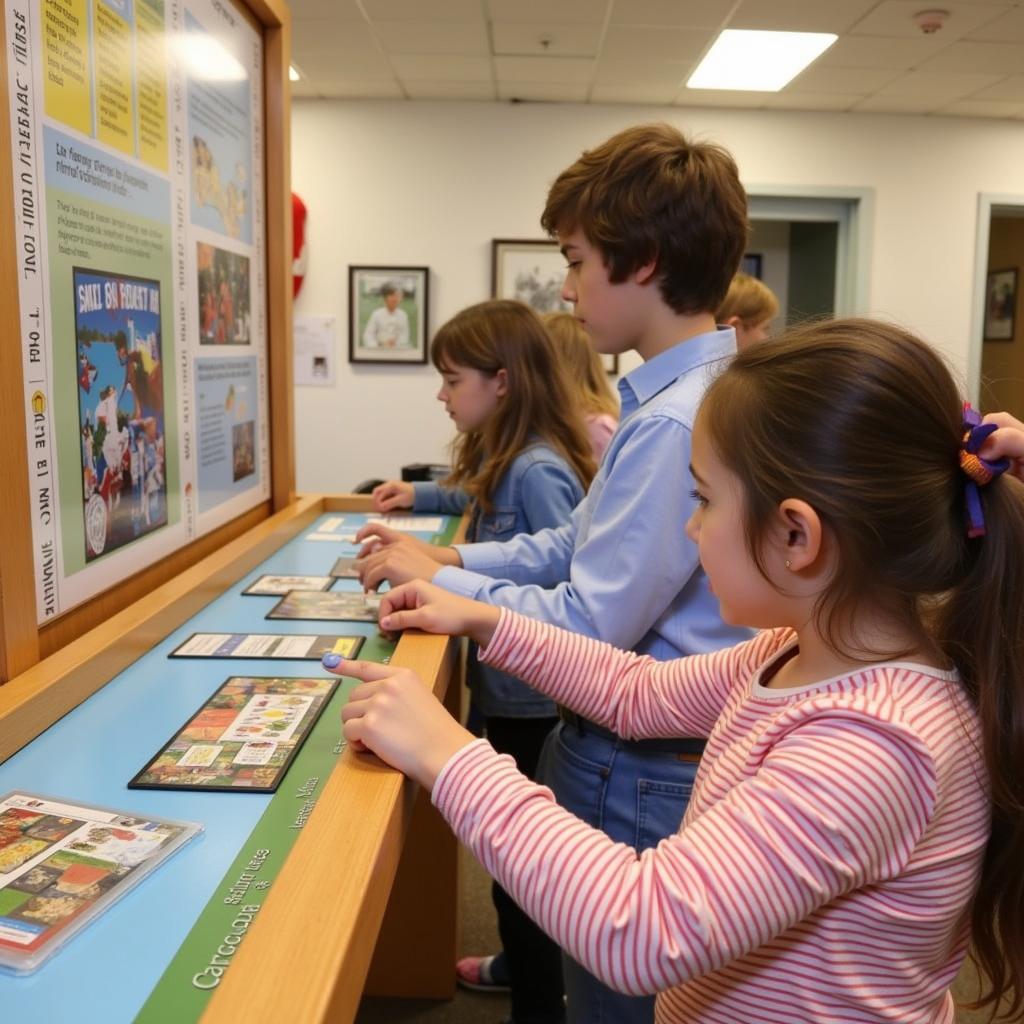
(105, 973)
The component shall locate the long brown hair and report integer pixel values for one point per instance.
(539, 404)
(864, 422)
(582, 363)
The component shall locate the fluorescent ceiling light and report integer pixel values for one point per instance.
(293, 75)
(758, 61)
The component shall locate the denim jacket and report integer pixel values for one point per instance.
(539, 490)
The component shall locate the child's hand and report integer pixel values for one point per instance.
(421, 605)
(393, 715)
(1005, 443)
(397, 563)
(393, 494)
(374, 536)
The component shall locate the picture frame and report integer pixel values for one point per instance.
(752, 263)
(383, 329)
(531, 271)
(1000, 305)
(610, 364)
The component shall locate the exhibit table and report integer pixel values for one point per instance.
(275, 910)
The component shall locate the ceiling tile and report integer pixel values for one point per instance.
(896, 18)
(842, 80)
(338, 10)
(881, 52)
(341, 40)
(800, 15)
(993, 58)
(691, 14)
(941, 88)
(633, 94)
(634, 72)
(1009, 28)
(460, 37)
(450, 90)
(721, 98)
(371, 66)
(562, 12)
(786, 100)
(985, 108)
(896, 105)
(514, 39)
(423, 10)
(556, 92)
(357, 89)
(1011, 88)
(544, 69)
(624, 42)
(429, 68)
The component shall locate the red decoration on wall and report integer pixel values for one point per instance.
(299, 254)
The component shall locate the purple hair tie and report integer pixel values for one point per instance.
(978, 471)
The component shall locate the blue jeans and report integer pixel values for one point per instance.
(634, 795)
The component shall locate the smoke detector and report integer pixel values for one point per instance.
(929, 22)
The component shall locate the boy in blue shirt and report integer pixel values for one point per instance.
(652, 226)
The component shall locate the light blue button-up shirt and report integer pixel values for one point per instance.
(623, 569)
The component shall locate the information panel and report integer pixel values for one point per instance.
(138, 163)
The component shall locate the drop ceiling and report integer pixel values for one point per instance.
(642, 51)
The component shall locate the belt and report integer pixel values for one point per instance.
(688, 749)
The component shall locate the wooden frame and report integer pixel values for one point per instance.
(1000, 305)
(308, 954)
(530, 270)
(22, 641)
(412, 287)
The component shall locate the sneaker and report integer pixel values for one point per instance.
(476, 973)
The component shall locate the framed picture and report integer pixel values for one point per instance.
(1000, 305)
(388, 313)
(752, 264)
(530, 271)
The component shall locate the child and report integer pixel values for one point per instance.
(750, 307)
(600, 406)
(636, 218)
(521, 461)
(652, 226)
(859, 806)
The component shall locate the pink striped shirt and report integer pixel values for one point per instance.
(825, 864)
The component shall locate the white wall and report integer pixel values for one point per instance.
(400, 183)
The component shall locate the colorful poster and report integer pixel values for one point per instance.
(350, 605)
(120, 408)
(105, 99)
(243, 737)
(63, 863)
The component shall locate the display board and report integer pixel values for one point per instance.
(137, 148)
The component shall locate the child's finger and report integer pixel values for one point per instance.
(364, 670)
(395, 622)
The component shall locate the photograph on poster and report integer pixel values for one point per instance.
(119, 366)
(242, 738)
(243, 450)
(1000, 305)
(388, 313)
(340, 605)
(223, 285)
(278, 584)
(529, 271)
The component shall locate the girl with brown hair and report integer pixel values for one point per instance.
(858, 817)
(521, 462)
